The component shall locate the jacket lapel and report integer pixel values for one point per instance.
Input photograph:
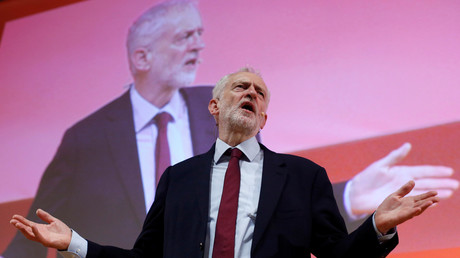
(121, 138)
(273, 180)
(203, 184)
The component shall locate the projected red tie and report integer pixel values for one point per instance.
(162, 155)
(224, 242)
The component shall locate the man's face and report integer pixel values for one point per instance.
(243, 103)
(175, 54)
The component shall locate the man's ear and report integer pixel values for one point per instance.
(214, 109)
(263, 119)
(141, 59)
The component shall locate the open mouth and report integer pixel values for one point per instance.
(248, 106)
(193, 61)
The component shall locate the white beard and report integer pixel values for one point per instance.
(239, 120)
(183, 79)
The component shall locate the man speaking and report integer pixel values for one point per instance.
(242, 200)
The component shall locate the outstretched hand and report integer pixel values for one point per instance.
(398, 208)
(371, 186)
(54, 234)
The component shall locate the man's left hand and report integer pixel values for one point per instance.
(398, 208)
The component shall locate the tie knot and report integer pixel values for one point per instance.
(162, 119)
(236, 153)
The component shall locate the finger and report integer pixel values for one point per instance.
(396, 155)
(442, 193)
(427, 203)
(18, 222)
(424, 171)
(23, 220)
(15, 223)
(25, 230)
(405, 189)
(421, 209)
(435, 184)
(425, 196)
(45, 216)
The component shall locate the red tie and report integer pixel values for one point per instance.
(162, 156)
(224, 242)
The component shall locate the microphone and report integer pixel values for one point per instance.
(262, 113)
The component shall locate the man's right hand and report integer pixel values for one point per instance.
(54, 234)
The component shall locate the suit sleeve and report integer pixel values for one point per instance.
(330, 238)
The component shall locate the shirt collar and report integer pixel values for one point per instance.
(250, 148)
(144, 111)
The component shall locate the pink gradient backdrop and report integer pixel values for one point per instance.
(338, 71)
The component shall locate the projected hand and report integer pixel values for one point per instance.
(55, 234)
(370, 187)
(397, 208)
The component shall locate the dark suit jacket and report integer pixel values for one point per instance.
(94, 183)
(297, 214)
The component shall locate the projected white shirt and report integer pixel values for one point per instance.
(179, 138)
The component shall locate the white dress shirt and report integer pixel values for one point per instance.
(248, 201)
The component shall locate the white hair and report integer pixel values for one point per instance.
(146, 29)
(220, 85)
